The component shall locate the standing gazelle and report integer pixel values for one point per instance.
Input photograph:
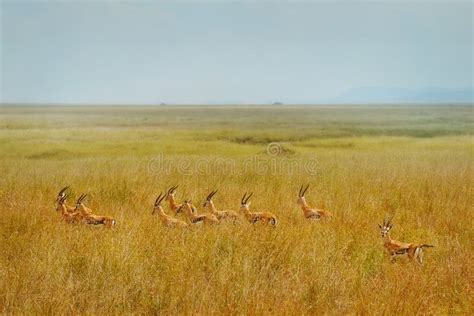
(91, 218)
(308, 211)
(165, 219)
(191, 212)
(264, 217)
(396, 248)
(221, 215)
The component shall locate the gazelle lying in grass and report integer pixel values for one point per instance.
(308, 211)
(221, 215)
(165, 219)
(190, 211)
(61, 200)
(396, 248)
(70, 217)
(91, 218)
(264, 217)
(171, 200)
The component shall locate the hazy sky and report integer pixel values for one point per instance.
(239, 52)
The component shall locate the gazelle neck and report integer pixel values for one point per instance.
(83, 210)
(159, 211)
(211, 207)
(62, 207)
(245, 210)
(387, 239)
(172, 202)
(304, 205)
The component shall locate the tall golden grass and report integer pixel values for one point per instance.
(333, 267)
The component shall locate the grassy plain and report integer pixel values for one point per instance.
(415, 161)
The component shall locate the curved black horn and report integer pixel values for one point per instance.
(243, 198)
(79, 199)
(63, 198)
(158, 199)
(171, 190)
(304, 191)
(162, 198)
(63, 190)
(248, 197)
(299, 192)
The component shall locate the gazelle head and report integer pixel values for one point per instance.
(170, 193)
(386, 226)
(157, 207)
(301, 200)
(61, 202)
(62, 194)
(208, 200)
(79, 204)
(245, 203)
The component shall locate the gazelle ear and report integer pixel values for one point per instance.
(248, 203)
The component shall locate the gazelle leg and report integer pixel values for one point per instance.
(419, 255)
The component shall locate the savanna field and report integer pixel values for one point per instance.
(361, 162)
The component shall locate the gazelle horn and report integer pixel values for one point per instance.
(81, 198)
(211, 195)
(248, 198)
(243, 198)
(61, 193)
(162, 198)
(63, 198)
(171, 190)
(158, 200)
(304, 191)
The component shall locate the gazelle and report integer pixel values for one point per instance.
(221, 215)
(171, 200)
(91, 218)
(264, 217)
(396, 248)
(165, 219)
(191, 212)
(308, 211)
(61, 200)
(68, 216)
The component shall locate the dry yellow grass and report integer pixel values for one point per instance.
(335, 267)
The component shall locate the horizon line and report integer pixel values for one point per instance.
(69, 104)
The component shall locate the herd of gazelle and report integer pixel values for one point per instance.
(82, 214)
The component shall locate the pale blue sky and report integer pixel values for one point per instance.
(240, 52)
